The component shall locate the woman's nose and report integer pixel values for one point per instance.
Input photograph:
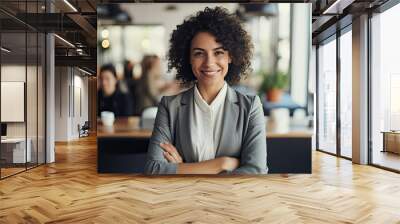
(210, 59)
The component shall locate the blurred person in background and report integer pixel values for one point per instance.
(150, 85)
(109, 97)
(127, 84)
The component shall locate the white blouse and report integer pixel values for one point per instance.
(206, 128)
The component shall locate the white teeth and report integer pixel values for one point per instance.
(210, 72)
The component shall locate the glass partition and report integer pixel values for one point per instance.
(327, 97)
(346, 94)
(22, 89)
(14, 153)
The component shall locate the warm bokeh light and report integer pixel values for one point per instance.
(105, 43)
(105, 33)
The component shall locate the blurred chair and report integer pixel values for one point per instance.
(285, 102)
(148, 118)
(84, 130)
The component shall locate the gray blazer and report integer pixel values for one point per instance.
(243, 133)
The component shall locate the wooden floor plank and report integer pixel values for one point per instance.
(71, 191)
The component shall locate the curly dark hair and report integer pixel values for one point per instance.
(228, 31)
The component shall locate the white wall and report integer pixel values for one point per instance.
(80, 103)
(14, 73)
(62, 81)
(69, 85)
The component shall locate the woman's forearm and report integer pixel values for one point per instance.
(213, 166)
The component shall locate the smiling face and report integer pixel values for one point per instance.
(209, 60)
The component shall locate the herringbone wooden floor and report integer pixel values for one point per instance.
(71, 191)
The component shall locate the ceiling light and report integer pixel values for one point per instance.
(105, 43)
(105, 34)
(70, 5)
(337, 7)
(65, 41)
(84, 71)
(146, 43)
(5, 50)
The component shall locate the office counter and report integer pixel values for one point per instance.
(122, 148)
(14, 151)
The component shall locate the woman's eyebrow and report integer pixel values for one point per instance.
(218, 48)
(201, 49)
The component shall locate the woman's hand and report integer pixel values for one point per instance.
(230, 163)
(170, 153)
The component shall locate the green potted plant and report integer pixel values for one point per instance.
(273, 85)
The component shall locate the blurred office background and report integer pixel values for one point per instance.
(47, 75)
(281, 34)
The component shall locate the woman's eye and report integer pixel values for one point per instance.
(219, 53)
(198, 53)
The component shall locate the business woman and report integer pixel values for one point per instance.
(210, 128)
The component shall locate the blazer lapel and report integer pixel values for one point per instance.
(229, 120)
(185, 118)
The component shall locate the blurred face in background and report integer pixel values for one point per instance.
(151, 74)
(151, 67)
(108, 82)
(155, 70)
(155, 81)
(209, 60)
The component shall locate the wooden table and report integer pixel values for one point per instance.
(122, 148)
(130, 128)
(391, 141)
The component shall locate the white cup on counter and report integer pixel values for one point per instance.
(107, 118)
(279, 120)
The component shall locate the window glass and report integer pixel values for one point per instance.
(327, 97)
(346, 94)
(385, 84)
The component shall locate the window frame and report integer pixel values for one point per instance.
(347, 27)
